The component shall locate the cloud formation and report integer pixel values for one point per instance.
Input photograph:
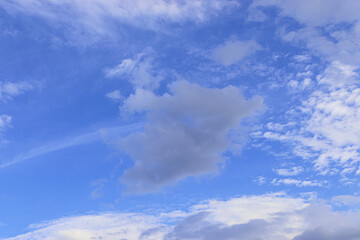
(329, 130)
(186, 135)
(326, 126)
(8, 90)
(138, 70)
(263, 217)
(95, 17)
(232, 52)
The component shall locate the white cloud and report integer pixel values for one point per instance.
(115, 95)
(327, 126)
(346, 200)
(8, 90)
(97, 17)
(5, 121)
(139, 71)
(297, 182)
(105, 134)
(289, 172)
(316, 12)
(270, 217)
(233, 51)
(106, 226)
(125, 67)
(328, 131)
(186, 135)
(260, 180)
(338, 74)
(324, 34)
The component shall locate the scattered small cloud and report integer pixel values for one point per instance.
(5, 121)
(297, 182)
(115, 96)
(289, 171)
(260, 180)
(233, 51)
(98, 186)
(139, 71)
(346, 200)
(8, 90)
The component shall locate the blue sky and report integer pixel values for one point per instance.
(169, 119)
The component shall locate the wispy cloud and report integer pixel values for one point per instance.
(103, 134)
(8, 90)
(95, 18)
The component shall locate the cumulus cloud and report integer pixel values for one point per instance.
(186, 135)
(338, 74)
(267, 217)
(234, 51)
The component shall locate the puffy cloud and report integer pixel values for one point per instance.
(186, 134)
(270, 217)
(338, 74)
(233, 51)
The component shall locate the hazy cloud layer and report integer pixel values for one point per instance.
(186, 134)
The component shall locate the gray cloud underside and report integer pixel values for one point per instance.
(186, 135)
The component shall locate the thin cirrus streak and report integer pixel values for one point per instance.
(102, 134)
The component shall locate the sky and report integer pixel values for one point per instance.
(179, 119)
